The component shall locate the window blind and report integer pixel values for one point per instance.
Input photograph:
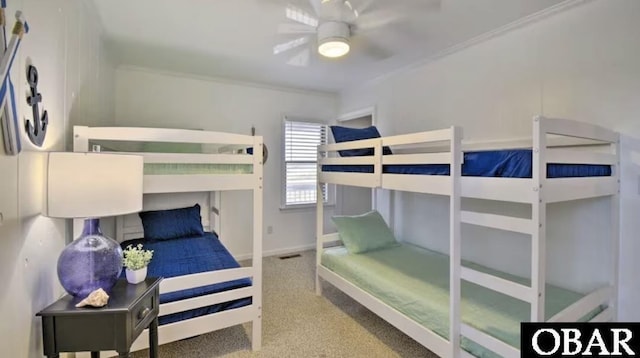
(301, 140)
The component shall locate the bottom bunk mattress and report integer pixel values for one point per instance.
(187, 255)
(415, 281)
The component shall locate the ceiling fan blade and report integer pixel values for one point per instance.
(363, 6)
(374, 14)
(298, 15)
(295, 29)
(352, 9)
(369, 48)
(286, 46)
(375, 20)
(335, 10)
(301, 59)
(317, 6)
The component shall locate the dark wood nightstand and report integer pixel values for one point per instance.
(130, 310)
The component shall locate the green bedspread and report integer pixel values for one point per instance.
(415, 281)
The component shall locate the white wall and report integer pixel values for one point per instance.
(583, 63)
(157, 99)
(76, 83)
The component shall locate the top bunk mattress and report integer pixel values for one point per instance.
(415, 281)
(173, 168)
(513, 163)
(187, 255)
(194, 168)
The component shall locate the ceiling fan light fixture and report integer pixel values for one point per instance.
(334, 48)
(333, 39)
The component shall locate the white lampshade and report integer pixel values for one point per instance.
(92, 185)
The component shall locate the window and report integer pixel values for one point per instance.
(300, 162)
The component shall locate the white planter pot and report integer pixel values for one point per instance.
(136, 276)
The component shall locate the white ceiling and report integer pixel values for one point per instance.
(235, 38)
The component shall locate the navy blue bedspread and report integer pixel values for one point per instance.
(516, 163)
(186, 255)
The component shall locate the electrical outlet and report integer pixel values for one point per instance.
(269, 229)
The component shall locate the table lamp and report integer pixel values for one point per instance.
(90, 186)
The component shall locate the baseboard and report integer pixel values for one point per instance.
(277, 252)
(288, 250)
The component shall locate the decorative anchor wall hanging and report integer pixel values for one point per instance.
(10, 127)
(38, 129)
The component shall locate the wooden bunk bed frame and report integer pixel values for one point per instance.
(536, 191)
(183, 183)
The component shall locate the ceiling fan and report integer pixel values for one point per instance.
(338, 25)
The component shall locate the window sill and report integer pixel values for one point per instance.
(304, 207)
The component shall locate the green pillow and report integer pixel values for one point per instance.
(364, 232)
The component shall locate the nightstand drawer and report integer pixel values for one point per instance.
(143, 312)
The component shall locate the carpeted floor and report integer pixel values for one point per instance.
(297, 323)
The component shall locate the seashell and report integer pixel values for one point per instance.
(97, 298)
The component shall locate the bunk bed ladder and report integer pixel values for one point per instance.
(536, 229)
(530, 294)
(256, 261)
(455, 260)
(539, 218)
(615, 236)
(319, 223)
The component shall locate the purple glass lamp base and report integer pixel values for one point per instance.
(90, 262)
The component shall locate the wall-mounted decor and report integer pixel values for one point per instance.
(265, 151)
(38, 129)
(8, 113)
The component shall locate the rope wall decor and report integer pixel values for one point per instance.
(10, 126)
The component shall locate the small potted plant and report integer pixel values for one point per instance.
(135, 260)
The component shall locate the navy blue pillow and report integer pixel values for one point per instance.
(345, 134)
(171, 224)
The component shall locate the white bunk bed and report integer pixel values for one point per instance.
(537, 191)
(225, 166)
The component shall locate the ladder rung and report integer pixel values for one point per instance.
(490, 342)
(498, 284)
(501, 222)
